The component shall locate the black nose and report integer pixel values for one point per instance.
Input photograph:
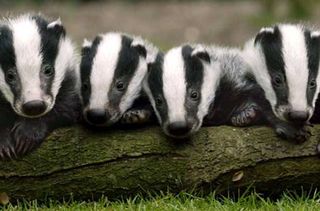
(97, 116)
(298, 116)
(180, 128)
(34, 107)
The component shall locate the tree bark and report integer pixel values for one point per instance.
(82, 164)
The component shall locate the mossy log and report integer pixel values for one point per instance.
(115, 163)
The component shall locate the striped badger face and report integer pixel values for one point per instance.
(285, 62)
(112, 69)
(34, 57)
(181, 86)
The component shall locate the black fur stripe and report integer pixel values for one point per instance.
(194, 79)
(88, 54)
(128, 61)
(50, 38)
(155, 81)
(8, 59)
(7, 54)
(313, 55)
(271, 43)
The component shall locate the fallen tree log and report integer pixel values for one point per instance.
(85, 165)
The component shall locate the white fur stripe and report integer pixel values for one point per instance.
(134, 87)
(211, 78)
(104, 62)
(28, 59)
(175, 86)
(147, 90)
(65, 61)
(296, 65)
(254, 56)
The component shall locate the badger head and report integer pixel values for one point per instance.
(34, 58)
(112, 69)
(285, 63)
(181, 86)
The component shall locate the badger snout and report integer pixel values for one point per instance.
(97, 116)
(101, 116)
(294, 115)
(34, 108)
(298, 116)
(179, 129)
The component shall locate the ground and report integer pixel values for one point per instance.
(184, 201)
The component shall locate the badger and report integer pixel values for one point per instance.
(112, 69)
(38, 82)
(194, 85)
(284, 62)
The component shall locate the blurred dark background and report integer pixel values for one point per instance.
(169, 23)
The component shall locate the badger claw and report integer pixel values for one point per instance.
(19, 145)
(245, 116)
(7, 152)
(136, 116)
(28, 136)
(289, 132)
(22, 146)
(6, 146)
(302, 135)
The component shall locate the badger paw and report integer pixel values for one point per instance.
(7, 150)
(28, 136)
(245, 117)
(136, 116)
(291, 133)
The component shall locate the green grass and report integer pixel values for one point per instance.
(183, 201)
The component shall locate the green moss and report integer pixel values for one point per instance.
(83, 164)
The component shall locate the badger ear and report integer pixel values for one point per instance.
(86, 46)
(140, 48)
(156, 65)
(264, 33)
(315, 34)
(57, 27)
(86, 43)
(202, 54)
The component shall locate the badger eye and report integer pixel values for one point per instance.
(48, 70)
(85, 86)
(120, 85)
(158, 101)
(277, 80)
(194, 95)
(10, 76)
(312, 84)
